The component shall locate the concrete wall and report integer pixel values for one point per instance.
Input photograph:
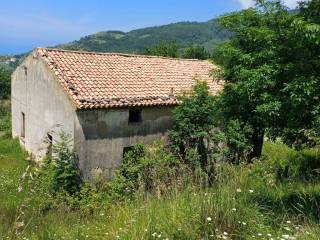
(101, 135)
(46, 106)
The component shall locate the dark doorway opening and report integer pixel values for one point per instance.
(126, 150)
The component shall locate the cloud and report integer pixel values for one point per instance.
(246, 3)
(250, 3)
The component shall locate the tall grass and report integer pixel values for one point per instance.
(12, 167)
(246, 202)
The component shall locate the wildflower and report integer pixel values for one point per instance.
(269, 235)
(285, 236)
(288, 222)
(287, 228)
(225, 233)
(209, 219)
(259, 234)
(234, 209)
(244, 223)
(159, 236)
(101, 214)
(224, 237)
(19, 189)
(146, 230)
(250, 191)
(239, 190)
(154, 234)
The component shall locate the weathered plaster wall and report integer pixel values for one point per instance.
(101, 136)
(46, 106)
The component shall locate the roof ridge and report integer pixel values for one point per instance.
(119, 54)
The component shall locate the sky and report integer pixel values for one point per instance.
(26, 24)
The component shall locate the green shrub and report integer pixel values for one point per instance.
(149, 169)
(59, 172)
(289, 164)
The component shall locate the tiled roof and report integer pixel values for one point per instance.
(105, 80)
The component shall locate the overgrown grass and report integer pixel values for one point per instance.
(12, 167)
(246, 202)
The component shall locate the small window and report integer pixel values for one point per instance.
(135, 116)
(49, 150)
(126, 150)
(25, 71)
(23, 125)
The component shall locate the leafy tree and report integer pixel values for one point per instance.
(301, 76)
(164, 49)
(194, 121)
(4, 83)
(196, 52)
(271, 68)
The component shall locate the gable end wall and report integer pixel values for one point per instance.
(47, 108)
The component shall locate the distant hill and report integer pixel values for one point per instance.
(208, 34)
(10, 62)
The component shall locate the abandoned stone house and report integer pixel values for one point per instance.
(107, 102)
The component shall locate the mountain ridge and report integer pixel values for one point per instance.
(208, 34)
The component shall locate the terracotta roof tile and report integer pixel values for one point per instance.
(105, 80)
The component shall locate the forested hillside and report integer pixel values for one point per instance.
(208, 34)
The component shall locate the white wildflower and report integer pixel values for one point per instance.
(209, 219)
(269, 235)
(225, 233)
(234, 209)
(250, 191)
(285, 236)
(259, 234)
(244, 223)
(154, 234)
(288, 222)
(239, 190)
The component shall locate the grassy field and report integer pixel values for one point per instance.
(247, 202)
